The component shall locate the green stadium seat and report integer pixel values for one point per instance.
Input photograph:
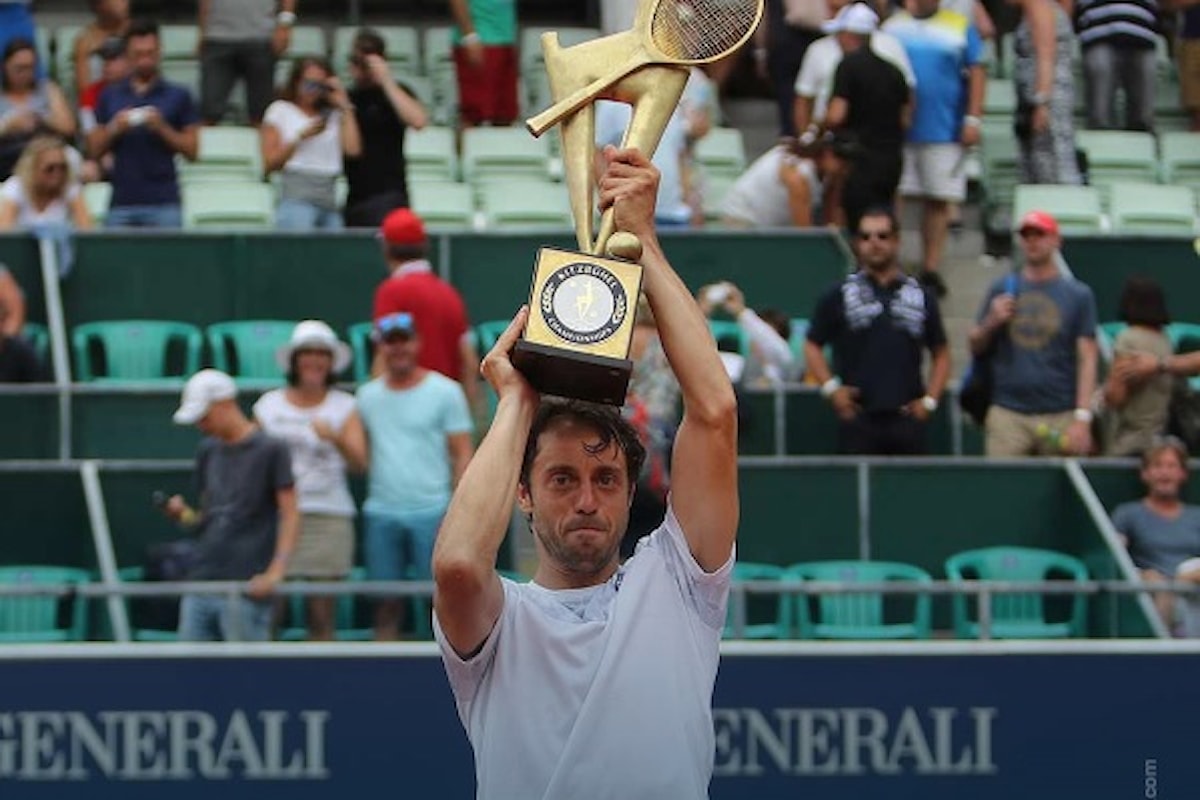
(230, 205)
(138, 634)
(1106, 337)
(524, 204)
(430, 154)
(730, 336)
(39, 339)
(716, 186)
(245, 349)
(97, 197)
(307, 40)
(437, 52)
(225, 153)
(1001, 174)
(401, 47)
(503, 154)
(1181, 158)
(443, 103)
(35, 618)
(179, 42)
(1017, 616)
(135, 350)
(63, 65)
(443, 204)
(722, 151)
(860, 616)
(531, 59)
(1077, 208)
(1000, 99)
(363, 347)
(1119, 156)
(185, 72)
(768, 620)
(1151, 208)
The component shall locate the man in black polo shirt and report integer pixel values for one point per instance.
(879, 321)
(868, 112)
(377, 179)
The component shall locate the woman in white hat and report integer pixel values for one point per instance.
(314, 419)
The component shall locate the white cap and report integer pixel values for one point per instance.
(206, 387)
(312, 334)
(854, 18)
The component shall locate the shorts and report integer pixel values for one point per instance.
(487, 93)
(400, 546)
(325, 548)
(1189, 73)
(934, 172)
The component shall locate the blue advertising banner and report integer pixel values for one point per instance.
(1087, 721)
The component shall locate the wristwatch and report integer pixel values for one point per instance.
(930, 403)
(285, 19)
(1040, 99)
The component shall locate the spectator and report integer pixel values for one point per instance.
(941, 45)
(145, 121)
(438, 311)
(43, 191)
(485, 61)
(315, 420)
(241, 39)
(1160, 530)
(780, 189)
(417, 443)
(781, 43)
(247, 520)
(110, 23)
(1187, 53)
(114, 68)
(18, 361)
(869, 108)
(1044, 122)
(1043, 342)
(879, 321)
(16, 22)
(1136, 407)
(29, 105)
(377, 177)
(770, 361)
(1118, 39)
(305, 135)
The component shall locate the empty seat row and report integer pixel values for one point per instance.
(1126, 208)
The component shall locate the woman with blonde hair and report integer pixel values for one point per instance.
(43, 190)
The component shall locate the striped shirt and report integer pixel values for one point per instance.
(1133, 23)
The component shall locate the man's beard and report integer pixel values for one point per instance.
(572, 559)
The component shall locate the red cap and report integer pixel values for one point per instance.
(1039, 220)
(402, 226)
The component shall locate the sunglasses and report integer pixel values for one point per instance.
(57, 166)
(866, 236)
(394, 326)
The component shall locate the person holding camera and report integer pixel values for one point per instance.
(305, 135)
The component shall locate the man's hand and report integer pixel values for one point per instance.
(917, 410)
(497, 365)
(629, 186)
(845, 402)
(970, 135)
(377, 68)
(474, 52)
(337, 93)
(263, 584)
(1079, 438)
(1002, 309)
(281, 39)
(175, 507)
(153, 119)
(1135, 368)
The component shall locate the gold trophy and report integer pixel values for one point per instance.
(581, 303)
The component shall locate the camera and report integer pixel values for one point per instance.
(138, 116)
(717, 293)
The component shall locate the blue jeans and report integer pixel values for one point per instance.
(297, 215)
(400, 546)
(160, 216)
(207, 618)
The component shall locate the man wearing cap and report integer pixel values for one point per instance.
(247, 520)
(1042, 341)
(114, 67)
(438, 309)
(868, 111)
(418, 442)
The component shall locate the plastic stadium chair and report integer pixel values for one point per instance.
(728, 332)
(246, 348)
(722, 151)
(437, 52)
(35, 618)
(1152, 209)
(503, 154)
(400, 45)
(363, 347)
(1106, 337)
(524, 204)
(137, 575)
(1000, 176)
(241, 206)
(307, 40)
(1017, 616)
(178, 42)
(1077, 208)
(443, 204)
(778, 624)
(185, 72)
(39, 339)
(97, 197)
(1000, 99)
(1180, 158)
(64, 57)
(430, 154)
(135, 350)
(225, 153)
(1116, 156)
(715, 187)
(860, 616)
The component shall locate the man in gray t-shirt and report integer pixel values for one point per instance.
(248, 519)
(1040, 332)
(241, 39)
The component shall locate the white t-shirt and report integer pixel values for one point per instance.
(320, 155)
(759, 199)
(821, 60)
(318, 467)
(603, 692)
(58, 212)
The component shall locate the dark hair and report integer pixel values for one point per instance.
(13, 47)
(1143, 303)
(293, 373)
(142, 26)
(879, 211)
(1162, 444)
(781, 322)
(368, 42)
(606, 421)
(404, 252)
(288, 90)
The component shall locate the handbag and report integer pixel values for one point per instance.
(975, 392)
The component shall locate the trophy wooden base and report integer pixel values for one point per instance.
(566, 373)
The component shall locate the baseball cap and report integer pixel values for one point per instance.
(206, 387)
(402, 226)
(111, 48)
(854, 18)
(313, 334)
(1038, 220)
(400, 322)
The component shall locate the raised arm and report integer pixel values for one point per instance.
(468, 598)
(704, 492)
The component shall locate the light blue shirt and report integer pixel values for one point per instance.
(941, 48)
(408, 430)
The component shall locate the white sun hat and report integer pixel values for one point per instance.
(206, 387)
(312, 334)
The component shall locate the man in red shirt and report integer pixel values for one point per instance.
(447, 345)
